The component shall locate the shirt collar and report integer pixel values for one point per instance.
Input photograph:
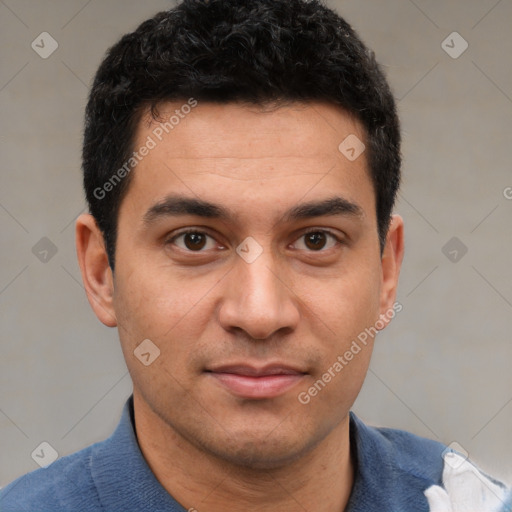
(121, 474)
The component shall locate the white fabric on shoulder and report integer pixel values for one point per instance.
(438, 499)
(466, 489)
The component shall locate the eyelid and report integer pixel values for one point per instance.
(320, 230)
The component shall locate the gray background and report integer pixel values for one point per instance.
(442, 369)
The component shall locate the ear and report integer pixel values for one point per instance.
(96, 272)
(391, 263)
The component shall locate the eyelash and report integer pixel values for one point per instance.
(305, 233)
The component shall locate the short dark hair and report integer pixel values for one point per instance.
(258, 52)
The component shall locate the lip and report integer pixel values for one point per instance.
(257, 382)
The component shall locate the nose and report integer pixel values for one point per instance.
(257, 300)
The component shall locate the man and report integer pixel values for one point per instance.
(241, 161)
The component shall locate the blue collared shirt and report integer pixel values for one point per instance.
(393, 470)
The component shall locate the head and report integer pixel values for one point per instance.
(261, 52)
(230, 119)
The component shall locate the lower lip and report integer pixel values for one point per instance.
(267, 386)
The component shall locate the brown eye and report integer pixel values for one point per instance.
(315, 241)
(194, 241)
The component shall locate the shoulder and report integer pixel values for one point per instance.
(65, 485)
(424, 473)
(400, 451)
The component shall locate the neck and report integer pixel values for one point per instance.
(321, 480)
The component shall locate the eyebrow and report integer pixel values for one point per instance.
(332, 206)
(181, 205)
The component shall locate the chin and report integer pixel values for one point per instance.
(262, 451)
(261, 456)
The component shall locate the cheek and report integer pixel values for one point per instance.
(155, 301)
(345, 303)
(173, 312)
(348, 310)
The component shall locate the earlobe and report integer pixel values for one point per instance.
(96, 272)
(391, 264)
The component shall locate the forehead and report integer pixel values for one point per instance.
(296, 129)
(236, 151)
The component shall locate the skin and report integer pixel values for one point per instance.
(296, 304)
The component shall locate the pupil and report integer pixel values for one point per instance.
(195, 240)
(315, 240)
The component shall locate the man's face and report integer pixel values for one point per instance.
(240, 336)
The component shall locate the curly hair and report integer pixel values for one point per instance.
(259, 52)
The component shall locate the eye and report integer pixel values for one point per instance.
(317, 240)
(193, 240)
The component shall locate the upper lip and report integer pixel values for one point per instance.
(255, 371)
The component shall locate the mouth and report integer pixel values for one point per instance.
(257, 382)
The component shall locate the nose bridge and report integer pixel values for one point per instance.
(256, 265)
(260, 285)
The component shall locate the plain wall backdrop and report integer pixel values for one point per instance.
(441, 369)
